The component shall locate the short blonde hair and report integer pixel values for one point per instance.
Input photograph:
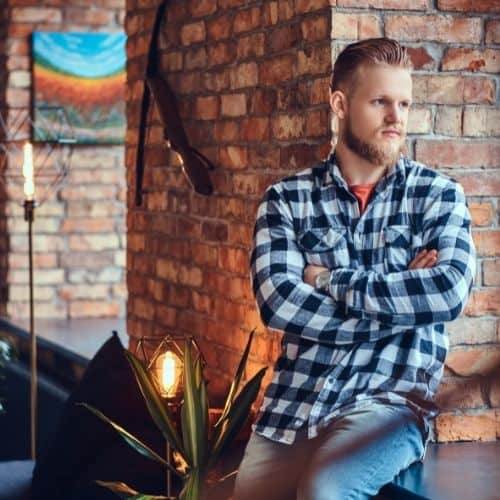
(367, 52)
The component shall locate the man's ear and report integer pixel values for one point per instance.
(338, 103)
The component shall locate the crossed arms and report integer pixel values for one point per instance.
(363, 305)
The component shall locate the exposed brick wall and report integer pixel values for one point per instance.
(455, 127)
(252, 81)
(79, 233)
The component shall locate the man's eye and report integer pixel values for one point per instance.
(405, 104)
(379, 101)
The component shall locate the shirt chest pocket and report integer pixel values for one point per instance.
(325, 247)
(400, 247)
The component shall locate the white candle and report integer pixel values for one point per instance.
(28, 171)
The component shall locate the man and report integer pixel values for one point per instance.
(359, 261)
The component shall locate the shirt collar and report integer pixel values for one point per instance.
(333, 175)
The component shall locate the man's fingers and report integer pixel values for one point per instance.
(424, 259)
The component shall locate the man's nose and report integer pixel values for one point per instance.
(394, 114)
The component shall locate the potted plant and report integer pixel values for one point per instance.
(198, 445)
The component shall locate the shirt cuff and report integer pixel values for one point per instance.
(339, 284)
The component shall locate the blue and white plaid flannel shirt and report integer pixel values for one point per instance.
(378, 333)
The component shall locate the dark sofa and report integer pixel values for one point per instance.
(16, 467)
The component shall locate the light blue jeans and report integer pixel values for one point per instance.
(357, 454)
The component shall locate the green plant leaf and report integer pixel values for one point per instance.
(130, 439)
(125, 491)
(192, 421)
(236, 381)
(158, 410)
(191, 489)
(237, 415)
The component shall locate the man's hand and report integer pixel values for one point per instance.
(423, 260)
(310, 273)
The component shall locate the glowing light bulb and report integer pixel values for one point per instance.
(28, 171)
(168, 370)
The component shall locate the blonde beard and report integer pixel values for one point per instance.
(374, 154)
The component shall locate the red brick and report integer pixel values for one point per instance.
(315, 60)
(483, 301)
(195, 58)
(246, 20)
(351, 26)
(193, 33)
(270, 14)
(226, 131)
(319, 91)
(83, 291)
(464, 427)
(233, 105)
(314, 28)
(453, 90)
(190, 276)
(88, 193)
(94, 242)
(234, 260)
(468, 5)
(221, 53)
(487, 243)
(92, 17)
(219, 28)
(87, 226)
(457, 154)
(436, 28)
(285, 10)
(240, 234)
(419, 121)
(470, 331)
(283, 37)
(491, 272)
(216, 81)
(298, 156)
(255, 129)
(234, 157)
(265, 156)
(448, 121)
(421, 58)
(251, 46)
(207, 108)
(479, 184)
(303, 6)
(263, 101)
(479, 91)
(276, 70)
(35, 15)
(386, 4)
(214, 231)
(471, 60)
(482, 213)
(316, 122)
(244, 75)
(492, 31)
(288, 126)
(482, 121)
(476, 361)
(199, 8)
(459, 393)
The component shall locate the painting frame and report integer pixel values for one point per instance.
(84, 74)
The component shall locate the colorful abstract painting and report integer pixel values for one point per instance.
(83, 73)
